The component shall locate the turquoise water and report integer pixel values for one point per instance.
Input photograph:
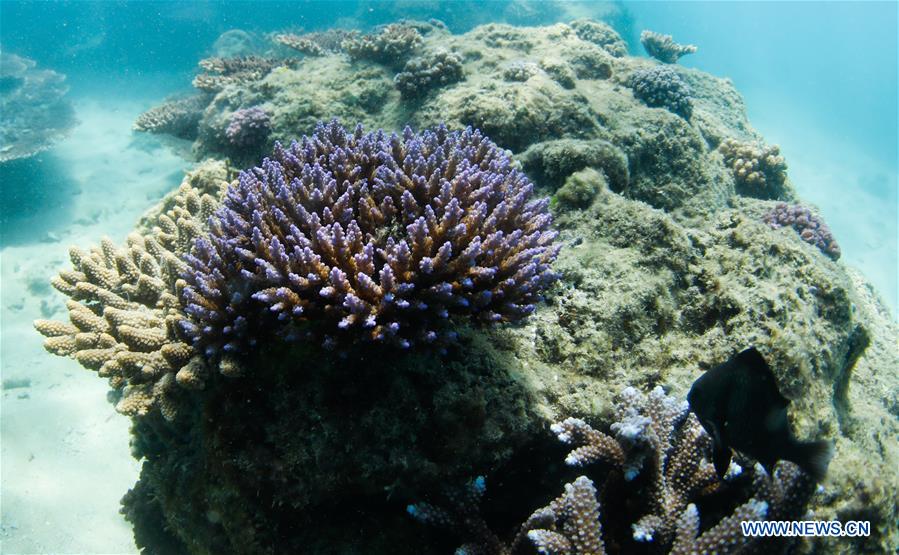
(818, 78)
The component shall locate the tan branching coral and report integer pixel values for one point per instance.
(300, 44)
(179, 117)
(124, 309)
(760, 170)
(391, 45)
(663, 48)
(316, 44)
(221, 72)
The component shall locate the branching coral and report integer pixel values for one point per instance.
(179, 117)
(249, 127)
(662, 87)
(807, 224)
(315, 44)
(760, 170)
(372, 237)
(425, 73)
(663, 48)
(662, 453)
(35, 114)
(124, 310)
(391, 45)
(221, 72)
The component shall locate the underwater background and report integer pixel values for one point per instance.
(819, 79)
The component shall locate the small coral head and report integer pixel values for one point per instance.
(348, 235)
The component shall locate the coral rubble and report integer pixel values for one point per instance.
(35, 114)
(807, 224)
(663, 48)
(371, 237)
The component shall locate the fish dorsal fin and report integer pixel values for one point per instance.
(753, 359)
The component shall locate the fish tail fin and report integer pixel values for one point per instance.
(813, 457)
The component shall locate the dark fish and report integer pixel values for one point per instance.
(739, 405)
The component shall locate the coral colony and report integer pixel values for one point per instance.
(652, 435)
(663, 48)
(807, 224)
(372, 237)
(662, 87)
(248, 127)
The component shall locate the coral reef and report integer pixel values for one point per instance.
(662, 87)
(35, 114)
(249, 127)
(429, 72)
(551, 162)
(390, 45)
(218, 73)
(663, 48)
(660, 459)
(301, 43)
(178, 117)
(124, 309)
(318, 43)
(667, 268)
(520, 71)
(600, 34)
(807, 224)
(759, 170)
(580, 189)
(371, 237)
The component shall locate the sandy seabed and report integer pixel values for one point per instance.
(65, 460)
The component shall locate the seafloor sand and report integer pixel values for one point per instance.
(65, 455)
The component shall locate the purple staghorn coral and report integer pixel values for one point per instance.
(347, 235)
(810, 227)
(248, 127)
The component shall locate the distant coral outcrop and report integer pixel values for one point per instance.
(35, 112)
(663, 48)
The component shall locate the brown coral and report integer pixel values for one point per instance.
(124, 309)
(759, 170)
(391, 45)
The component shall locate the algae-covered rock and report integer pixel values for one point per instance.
(263, 463)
